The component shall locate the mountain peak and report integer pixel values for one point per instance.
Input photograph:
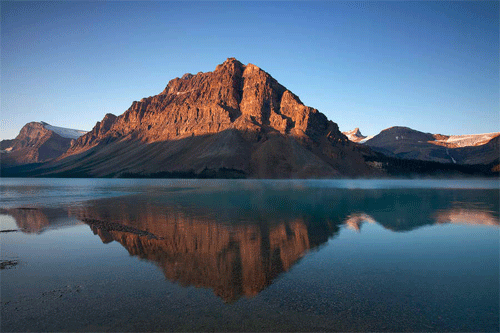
(37, 142)
(355, 135)
(231, 64)
(237, 117)
(187, 76)
(232, 60)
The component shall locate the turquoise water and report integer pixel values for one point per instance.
(250, 255)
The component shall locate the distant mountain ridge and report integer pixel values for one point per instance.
(407, 143)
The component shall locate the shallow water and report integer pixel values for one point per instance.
(249, 255)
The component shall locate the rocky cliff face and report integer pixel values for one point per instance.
(236, 119)
(92, 137)
(35, 143)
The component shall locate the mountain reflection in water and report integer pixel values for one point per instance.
(238, 242)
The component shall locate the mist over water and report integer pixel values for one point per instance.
(250, 255)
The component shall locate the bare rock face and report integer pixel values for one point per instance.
(237, 119)
(99, 130)
(35, 143)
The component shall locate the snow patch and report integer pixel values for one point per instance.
(469, 140)
(64, 132)
(366, 139)
(183, 92)
(447, 153)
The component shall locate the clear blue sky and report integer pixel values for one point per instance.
(431, 66)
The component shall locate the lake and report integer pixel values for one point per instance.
(249, 255)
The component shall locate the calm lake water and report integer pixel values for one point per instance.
(249, 255)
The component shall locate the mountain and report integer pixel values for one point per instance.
(37, 142)
(236, 121)
(407, 143)
(356, 136)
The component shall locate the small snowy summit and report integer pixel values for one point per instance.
(356, 136)
(64, 132)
